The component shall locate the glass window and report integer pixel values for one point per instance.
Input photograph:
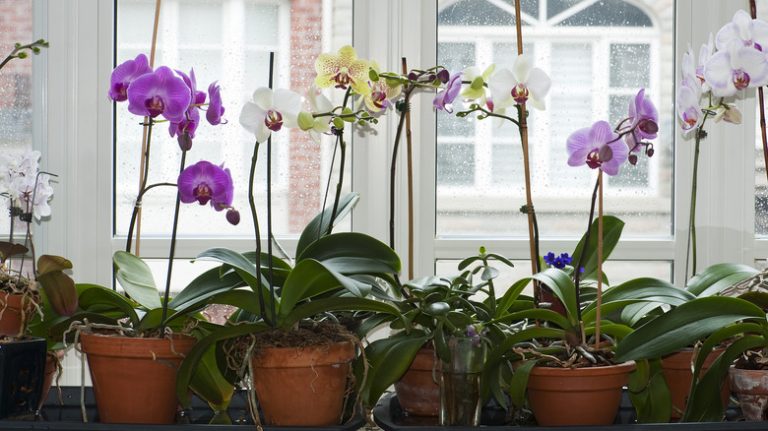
(597, 65)
(15, 86)
(230, 43)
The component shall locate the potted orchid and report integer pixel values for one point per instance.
(144, 325)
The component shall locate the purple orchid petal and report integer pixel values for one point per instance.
(597, 147)
(644, 116)
(445, 98)
(126, 73)
(159, 93)
(215, 107)
(185, 129)
(578, 147)
(205, 182)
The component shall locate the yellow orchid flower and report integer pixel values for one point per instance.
(476, 88)
(341, 70)
(378, 95)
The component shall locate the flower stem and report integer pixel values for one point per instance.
(342, 162)
(599, 258)
(252, 203)
(577, 269)
(269, 206)
(691, 244)
(409, 168)
(393, 168)
(137, 205)
(172, 252)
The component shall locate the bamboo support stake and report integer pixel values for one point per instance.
(599, 257)
(409, 155)
(526, 163)
(145, 134)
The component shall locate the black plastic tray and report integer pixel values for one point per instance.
(67, 416)
(390, 417)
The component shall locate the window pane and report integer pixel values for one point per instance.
(591, 80)
(232, 48)
(617, 271)
(15, 87)
(456, 164)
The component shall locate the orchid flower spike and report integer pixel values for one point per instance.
(268, 111)
(524, 83)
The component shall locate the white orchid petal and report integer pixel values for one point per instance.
(718, 73)
(501, 84)
(263, 98)
(538, 103)
(262, 132)
(689, 70)
(251, 117)
(522, 67)
(760, 33)
(538, 84)
(753, 62)
(287, 102)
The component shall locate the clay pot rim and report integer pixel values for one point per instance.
(305, 356)
(602, 370)
(109, 345)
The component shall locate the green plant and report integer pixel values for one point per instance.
(433, 310)
(332, 272)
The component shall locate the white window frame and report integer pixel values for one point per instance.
(75, 127)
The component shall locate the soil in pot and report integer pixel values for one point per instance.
(751, 387)
(134, 379)
(417, 391)
(577, 396)
(301, 377)
(678, 374)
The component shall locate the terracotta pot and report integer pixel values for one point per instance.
(417, 391)
(751, 386)
(577, 396)
(134, 379)
(10, 322)
(678, 374)
(302, 386)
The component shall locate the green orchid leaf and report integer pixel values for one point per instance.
(388, 360)
(318, 227)
(656, 295)
(99, 299)
(318, 306)
(136, 278)
(704, 403)
(643, 288)
(209, 384)
(562, 286)
(308, 279)
(541, 314)
(241, 298)
(683, 326)
(353, 245)
(612, 228)
(649, 392)
(510, 297)
(519, 383)
(717, 277)
(208, 283)
(190, 364)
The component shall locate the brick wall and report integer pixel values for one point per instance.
(15, 26)
(304, 182)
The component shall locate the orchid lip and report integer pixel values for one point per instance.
(740, 79)
(520, 94)
(648, 126)
(155, 106)
(202, 193)
(274, 120)
(593, 160)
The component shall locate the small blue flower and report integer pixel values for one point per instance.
(557, 262)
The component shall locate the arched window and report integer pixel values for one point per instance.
(598, 54)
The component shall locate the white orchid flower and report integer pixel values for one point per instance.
(743, 31)
(269, 111)
(735, 69)
(521, 85)
(706, 52)
(20, 175)
(688, 109)
(318, 104)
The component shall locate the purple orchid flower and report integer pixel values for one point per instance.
(597, 147)
(215, 107)
(159, 93)
(445, 98)
(205, 182)
(644, 116)
(126, 73)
